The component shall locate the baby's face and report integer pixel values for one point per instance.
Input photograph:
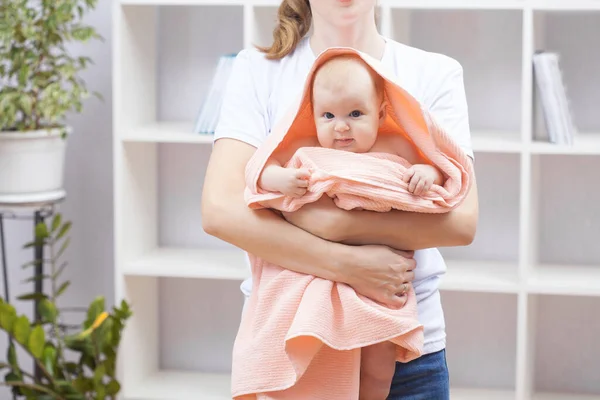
(347, 112)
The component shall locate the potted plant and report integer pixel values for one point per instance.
(39, 84)
(70, 365)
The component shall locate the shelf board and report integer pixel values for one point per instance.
(565, 280)
(496, 142)
(182, 132)
(176, 385)
(480, 276)
(564, 396)
(449, 4)
(184, 2)
(180, 385)
(584, 143)
(566, 5)
(190, 263)
(481, 394)
(166, 132)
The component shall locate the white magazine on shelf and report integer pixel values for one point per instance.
(553, 98)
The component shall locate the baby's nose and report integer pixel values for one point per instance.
(341, 126)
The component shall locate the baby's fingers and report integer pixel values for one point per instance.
(408, 174)
(412, 185)
(302, 173)
(302, 183)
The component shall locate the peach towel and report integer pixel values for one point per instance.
(300, 336)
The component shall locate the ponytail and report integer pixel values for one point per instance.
(294, 20)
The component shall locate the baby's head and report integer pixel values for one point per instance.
(348, 104)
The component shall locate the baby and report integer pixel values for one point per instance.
(349, 107)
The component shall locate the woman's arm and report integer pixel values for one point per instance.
(377, 272)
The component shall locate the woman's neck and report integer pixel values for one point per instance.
(362, 36)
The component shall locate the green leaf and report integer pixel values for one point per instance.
(99, 373)
(33, 296)
(83, 385)
(32, 264)
(62, 248)
(12, 358)
(22, 329)
(48, 310)
(113, 388)
(49, 358)
(36, 278)
(62, 288)
(63, 230)
(41, 231)
(8, 316)
(33, 244)
(96, 308)
(12, 377)
(26, 103)
(37, 341)
(59, 270)
(23, 75)
(56, 222)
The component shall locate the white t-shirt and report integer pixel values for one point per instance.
(259, 92)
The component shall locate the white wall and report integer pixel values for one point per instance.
(89, 186)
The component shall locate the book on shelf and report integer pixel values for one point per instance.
(207, 119)
(553, 98)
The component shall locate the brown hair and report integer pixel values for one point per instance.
(294, 18)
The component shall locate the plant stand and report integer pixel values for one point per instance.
(36, 207)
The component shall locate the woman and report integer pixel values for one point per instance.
(358, 248)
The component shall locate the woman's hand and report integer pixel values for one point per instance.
(378, 272)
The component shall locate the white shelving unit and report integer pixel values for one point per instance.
(521, 302)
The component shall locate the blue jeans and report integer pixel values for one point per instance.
(425, 378)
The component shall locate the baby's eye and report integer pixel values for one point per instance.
(328, 115)
(355, 114)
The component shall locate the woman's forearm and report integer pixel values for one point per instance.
(262, 233)
(411, 230)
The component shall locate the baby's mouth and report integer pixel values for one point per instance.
(344, 142)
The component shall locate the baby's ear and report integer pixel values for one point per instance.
(382, 111)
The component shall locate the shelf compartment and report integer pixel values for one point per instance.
(492, 64)
(481, 331)
(560, 31)
(496, 239)
(480, 276)
(190, 263)
(564, 280)
(164, 355)
(566, 358)
(567, 229)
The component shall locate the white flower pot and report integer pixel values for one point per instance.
(31, 162)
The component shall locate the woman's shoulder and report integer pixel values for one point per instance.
(418, 58)
(425, 74)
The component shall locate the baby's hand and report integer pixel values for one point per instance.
(420, 178)
(293, 181)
